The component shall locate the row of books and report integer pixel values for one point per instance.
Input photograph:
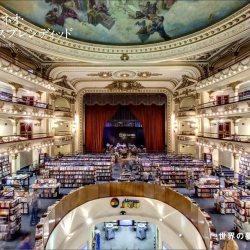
(224, 200)
(206, 187)
(5, 166)
(10, 217)
(242, 214)
(71, 175)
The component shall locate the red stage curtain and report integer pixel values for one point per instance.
(96, 117)
(152, 120)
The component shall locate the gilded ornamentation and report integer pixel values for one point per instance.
(147, 74)
(17, 86)
(239, 148)
(49, 112)
(233, 85)
(125, 85)
(53, 96)
(200, 41)
(19, 108)
(35, 110)
(80, 138)
(103, 74)
(224, 74)
(124, 57)
(231, 107)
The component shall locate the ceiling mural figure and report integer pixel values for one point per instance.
(124, 22)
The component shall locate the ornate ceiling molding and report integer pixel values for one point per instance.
(222, 33)
(17, 71)
(101, 74)
(124, 86)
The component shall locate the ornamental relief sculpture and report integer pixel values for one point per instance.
(124, 85)
(231, 107)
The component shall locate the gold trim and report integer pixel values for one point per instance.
(168, 111)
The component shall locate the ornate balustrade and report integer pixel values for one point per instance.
(92, 192)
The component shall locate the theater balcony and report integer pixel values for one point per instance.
(232, 107)
(19, 107)
(235, 72)
(190, 139)
(185, 112)
(233, 143)
(63, 138)
(16, 143)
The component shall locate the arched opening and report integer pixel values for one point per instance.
(62, 104)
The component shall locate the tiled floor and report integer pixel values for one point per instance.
(125, 238)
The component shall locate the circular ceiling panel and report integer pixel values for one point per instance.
(124, 22)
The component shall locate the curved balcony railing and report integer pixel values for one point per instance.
(187, 133)
(23, 137)
(153, 191)
(234, 99)
(62, 109)
(63, 133)
(226, 137)
(23, 101)
(185, 109)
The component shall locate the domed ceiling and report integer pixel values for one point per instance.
(124, 22)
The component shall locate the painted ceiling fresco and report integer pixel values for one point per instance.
(124, 22)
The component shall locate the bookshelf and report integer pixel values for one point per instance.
(18, 180)
(5, 166)
(206, 187)
(42, 159)
(48, 188)
(103, 173)
(10, 217)
(80, 170)
(224, 200)
(242, 214)
(24, 199)
(71, 175)
(244, 166)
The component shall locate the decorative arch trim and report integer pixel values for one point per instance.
(80, 110)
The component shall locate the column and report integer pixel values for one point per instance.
(15, 122)
(234, 86)
(236, 163)
(39, 96)
(210, 126)
(14, 163)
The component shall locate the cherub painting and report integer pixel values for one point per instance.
(124, 22)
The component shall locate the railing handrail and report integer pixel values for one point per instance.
(228, 137)
(224, 133)
(15, 99)
(186, 109)
(209, 104)
(25, 134)
(25, 137)
(64, 109)
(153, 191)
(186, 133)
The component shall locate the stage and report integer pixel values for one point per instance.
(132, 119)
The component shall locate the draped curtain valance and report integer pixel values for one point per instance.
(124, 99)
